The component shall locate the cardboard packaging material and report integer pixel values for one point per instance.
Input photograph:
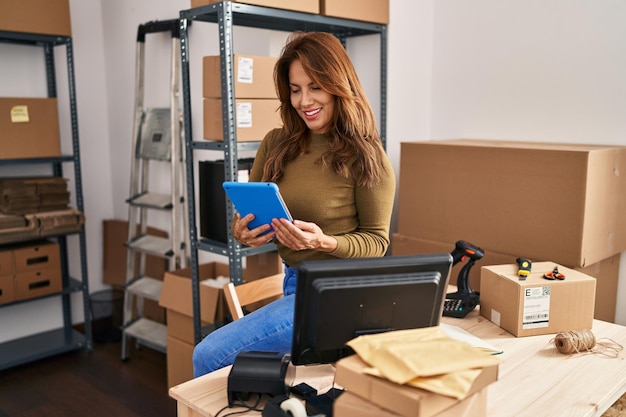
(536, 305)
(47, 17)
(179, 365)
(254, 118)
(29, 127)
(37, 269)
(307, 6)
(559, 202)
(114, 257)
(177, 299)
(7, 262)
(350, 405)
(253, 76)
(375, 11)
(38, 256)
(31, 284)
(606, 271)
(400, 399)
(7, 289)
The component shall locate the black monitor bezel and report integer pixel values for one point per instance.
(304, 351)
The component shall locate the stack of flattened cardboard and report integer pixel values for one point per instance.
(33, 194)
(36, 206)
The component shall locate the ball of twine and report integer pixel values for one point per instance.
(583, 341)
(575, 341)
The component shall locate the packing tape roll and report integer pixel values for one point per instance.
(294, 407)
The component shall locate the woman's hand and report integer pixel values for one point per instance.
(301, 235)
(250, 237)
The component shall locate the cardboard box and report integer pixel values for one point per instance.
(307, 6)
(179, 361)
(48, 17)
(606, 271)
(36, 257)
(176, 297)
(7, 288)
(114, 257)
(253, 119)
(400, 399)
(7, 263)
(559, 202)
(29, 127)
(31, 284)
(536, 305)
(176, 294)
(350, 405)
(253, 76)
(375, 11)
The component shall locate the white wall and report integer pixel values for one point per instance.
(520, 70)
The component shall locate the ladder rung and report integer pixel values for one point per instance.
(154, 245)
(149, 333)
(152, 200)
(146, 287)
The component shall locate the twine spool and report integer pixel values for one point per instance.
(575, 341)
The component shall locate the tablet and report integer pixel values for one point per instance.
(263, 199)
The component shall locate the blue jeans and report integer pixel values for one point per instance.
(268, 329)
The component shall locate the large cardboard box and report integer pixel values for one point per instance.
(29, 127)
(536, 305)
(48, 17)
(350, 405)
(307, 6)
(559, 202)
(375, 11)
(253, 119)
(253, 76)
(606, 271)
(400, 399)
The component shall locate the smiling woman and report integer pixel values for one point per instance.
(330, 165)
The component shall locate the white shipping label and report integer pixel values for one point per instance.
(245, 71)
(536, 309)
(244, 115)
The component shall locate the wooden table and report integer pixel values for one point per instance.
(535, 379)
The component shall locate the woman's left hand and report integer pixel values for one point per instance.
(301, 235)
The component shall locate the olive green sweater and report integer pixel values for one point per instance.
(358, 217)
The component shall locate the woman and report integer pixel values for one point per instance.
(334, 176)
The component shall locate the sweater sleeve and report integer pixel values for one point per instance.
(375, 207)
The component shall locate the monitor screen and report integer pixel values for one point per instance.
(340, 299)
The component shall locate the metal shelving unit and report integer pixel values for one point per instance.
(227, 15)
(64, 339)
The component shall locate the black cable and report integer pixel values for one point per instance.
(242, 404)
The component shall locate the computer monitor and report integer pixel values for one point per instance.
(340, 299)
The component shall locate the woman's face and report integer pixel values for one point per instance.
(313, 104)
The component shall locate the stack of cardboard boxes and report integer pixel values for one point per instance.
(256, 105)
(176, 298)
(30, 126)
(29, 271)
(560, 203)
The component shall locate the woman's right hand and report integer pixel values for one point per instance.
(250, 237)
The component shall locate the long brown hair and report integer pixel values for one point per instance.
(355, 145)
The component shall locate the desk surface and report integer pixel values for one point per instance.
(535, 379)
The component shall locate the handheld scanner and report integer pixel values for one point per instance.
(464, 250)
